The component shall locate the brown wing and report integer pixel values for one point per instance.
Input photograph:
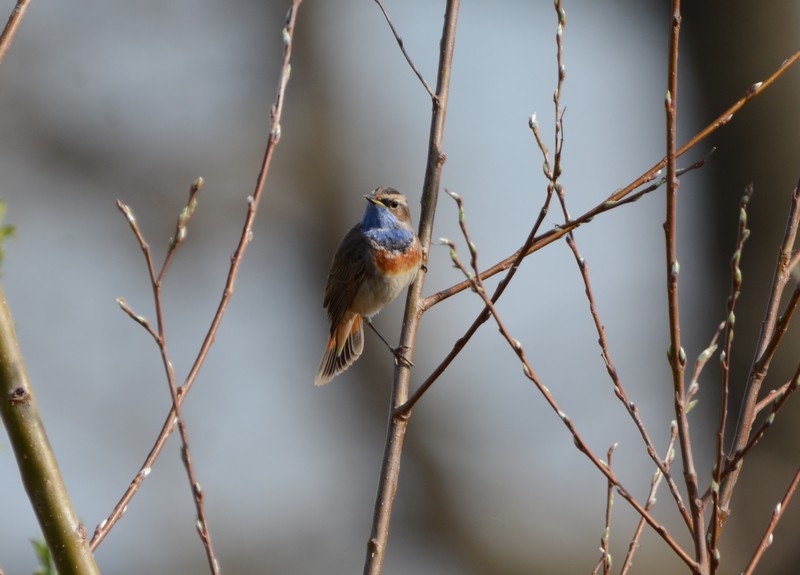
(346, 275)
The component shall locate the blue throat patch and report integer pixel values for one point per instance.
(380, 225)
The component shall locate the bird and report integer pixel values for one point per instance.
(377, 259)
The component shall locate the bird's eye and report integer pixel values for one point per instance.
(394, 204)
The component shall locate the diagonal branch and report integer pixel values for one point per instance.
(400, 43)
(777, 513)
(10, 31)
(578, 440)
(64, 533)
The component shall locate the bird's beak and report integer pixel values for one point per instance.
(371, 200)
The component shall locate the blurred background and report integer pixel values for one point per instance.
(100, 101)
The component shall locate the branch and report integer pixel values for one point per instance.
(616, 198)
(160, 338)
(717, 520)
(677, 357)
(236, 260)
(669, 456)
(777, 513)
(10, 31)
(390, 466)
(605, 554)
(772, 330)
(64, 533)
(405, 54)
(580, 444)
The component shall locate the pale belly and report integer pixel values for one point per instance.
(377, 291)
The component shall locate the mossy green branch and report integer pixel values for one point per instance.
(62, 531)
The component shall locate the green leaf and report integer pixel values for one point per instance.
(46, 566)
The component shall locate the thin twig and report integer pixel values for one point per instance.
(10, 31)
(619, 389)
(395, 434)
(244, 240)
(724, 118)
(734, 461)
(736, 288)
(777, 513)
(400, 43)
(605, 559)
(580, 444)
(669, 456)
(773, 396)
(160, 337)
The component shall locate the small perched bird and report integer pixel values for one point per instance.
(376, 260)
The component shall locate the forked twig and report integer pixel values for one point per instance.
(773, 328)
(531, 375)
(617, 197)
(244, 240)
(160, 337)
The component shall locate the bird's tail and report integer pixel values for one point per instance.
(344, 347)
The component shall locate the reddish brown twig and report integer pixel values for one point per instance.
(619, 389)
(669, 456)
(477, 285)
(777, 513)
(244, 240)
(160, 337)
(677, 356)
(405, 54)
(10, 31)
(617, 197)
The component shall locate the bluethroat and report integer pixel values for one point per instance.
(376, 260)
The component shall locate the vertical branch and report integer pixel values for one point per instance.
(677, 357)
(63, 532)
(715, 526)
(390, 467)
(605, 558)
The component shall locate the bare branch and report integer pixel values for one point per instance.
(400, 43)
(669, 456)
(715, 527)
(777, 513)
(772, 330)
(50, 501)
(244, 240)
(395, 434)
(10, 31)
